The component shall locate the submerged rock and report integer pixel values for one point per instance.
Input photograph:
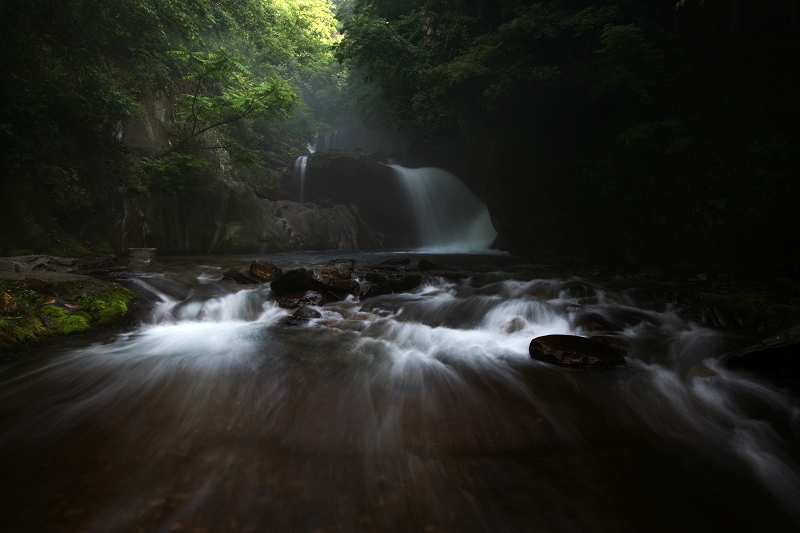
(570, 350)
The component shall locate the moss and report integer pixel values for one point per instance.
(64, 322)
(23, 317)
(106, 306)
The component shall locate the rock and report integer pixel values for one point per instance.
(397, 262)
(338, 272)
(776, 358)
(264, 271)
(92, 262)
(569, 350)
(298, 280)
(239, 277)
(375, 289)
(292, 321)
(398, 282)
(307, 313)
(140, 256)
(702, 371)
(300, 299)
(426, 265)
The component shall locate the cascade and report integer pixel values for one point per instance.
(299, 174)
(447, 215)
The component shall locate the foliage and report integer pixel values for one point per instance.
(77, 74)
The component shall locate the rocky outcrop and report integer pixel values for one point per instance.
(569, 350)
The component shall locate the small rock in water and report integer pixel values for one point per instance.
(298, 299)
(702, 371)
(375, 289)
(239, 277)
(570, 350)
(307, 312)
(264, 271)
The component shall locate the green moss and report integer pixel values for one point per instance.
(20, 251)
(106, 306)
(64, 322)
(23, 318)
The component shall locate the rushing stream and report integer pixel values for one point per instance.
(407, 412)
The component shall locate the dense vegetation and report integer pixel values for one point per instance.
(229, 80)
(620, 130)
(615, 130)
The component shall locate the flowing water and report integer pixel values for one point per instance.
(449, 217)
(406, 412)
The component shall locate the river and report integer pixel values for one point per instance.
(419, 411)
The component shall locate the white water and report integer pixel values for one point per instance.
(299, 174)
(449, 218)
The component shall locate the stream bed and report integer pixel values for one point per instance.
(419, 411)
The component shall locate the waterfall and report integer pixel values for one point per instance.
(300, 174)
(345, 139)
(447, 215)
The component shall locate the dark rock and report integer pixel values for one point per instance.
(398, 282)
(350, 264)
(426, 265)
(375, 289)
(569, 350)
(239, 277)
(264, 271)
(292, 321)
(396, 262)
(307, 313)
(298, 280)
(92, 262)
(596, 322)
(141, 256)
(302, 298)
(336, 271)
(776, 358)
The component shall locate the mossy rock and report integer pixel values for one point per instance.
(36, 306)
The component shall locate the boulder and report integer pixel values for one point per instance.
(264, 271)
(570, 350)
(293, 281)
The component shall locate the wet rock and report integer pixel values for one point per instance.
(307, 313)
(293, 281)
(264, 271)
(293, 321)
(299, 299)
(374, 289)
(332, 272)
(776, 358)
(350, 264)
(398, 282)
(577, 290)
(702, 371)
(569, 350)
(426, 266)
(397, 262)
(140, 256)
(239, 277)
